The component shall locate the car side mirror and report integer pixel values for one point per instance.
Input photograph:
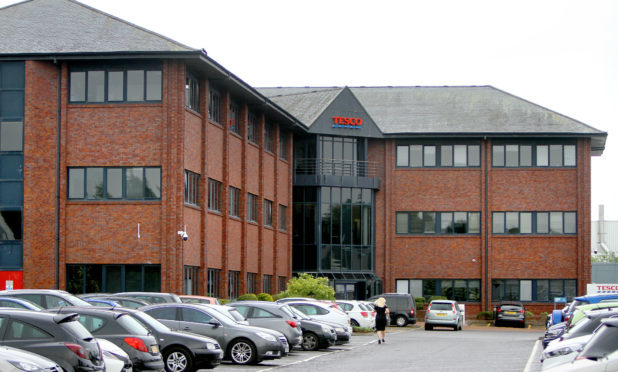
(215, 322)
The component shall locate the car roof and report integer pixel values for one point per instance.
(56, 291)
(58, 317)
(597, 296)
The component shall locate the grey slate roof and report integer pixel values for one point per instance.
(66, 26)
(482, 110)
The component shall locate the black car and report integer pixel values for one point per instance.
(510, 312)
(316, 335)
(401, 306)
(46, 298)
(553, 333)
(56, 336)
(123, 330)
(182, 351)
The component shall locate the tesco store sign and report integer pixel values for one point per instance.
(601, 288)
(346, 122)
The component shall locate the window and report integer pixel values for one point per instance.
(267, 283)
(234, 198)
(522, 155)
(214, 195)
(214, 105)
(191, 280)
(282, 283)
(432, 155)
(462, 290)
(115, 83)
(18, 330)
(556, 223)
(192, 187)
(90, 278)
(192, 93)
(11, 136)
(283, 217)
(213, 284)
(252, 207)
(234, 120)
(438, 222)
(268, 213)
(269, 137)
(284, 141)
(252, 128)
(535, 290)
(252, 283)
(101, 183)
(233, 284)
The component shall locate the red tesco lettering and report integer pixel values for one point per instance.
(342, 120)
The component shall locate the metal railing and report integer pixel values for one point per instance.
(337, 167)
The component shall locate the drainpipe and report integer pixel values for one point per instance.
(58, 128)
(487, 301)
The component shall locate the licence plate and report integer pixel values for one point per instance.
(154, 349)
(441, 314)
(510, 312)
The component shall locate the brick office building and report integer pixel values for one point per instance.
(466, 192)
(115, 141)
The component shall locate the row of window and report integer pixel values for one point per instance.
(534, 223)
(213, 285)
(438, 222)
(463, 290)
(114, 183)
(510, 155)
(106, 84)
(93, 278)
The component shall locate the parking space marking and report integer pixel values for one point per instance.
(532, 356)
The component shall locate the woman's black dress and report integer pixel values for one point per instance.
(380, 318)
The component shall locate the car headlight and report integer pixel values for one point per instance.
(266, 336)
(212, 346)
(326, 329)
(339, 329)
(564, 351)
(26, 366)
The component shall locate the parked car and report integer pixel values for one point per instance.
(99, 302)
(17, 360)
(272, 316)
(563, 315)
(182, 351)
(291, 299)
(556, 331)
(116, 360)
(192, 299)
(241, 344)
(360, 315)
(401, 306)
(316, 334)
(18, 303)
(46, 298)
(133, 303)
(123, 330)
(510, 312)
(229, 311)
(333, 317)
(151, 297)
(444, 313)
(59, 337)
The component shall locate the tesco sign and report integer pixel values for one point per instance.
(346, 122)
(601, 288)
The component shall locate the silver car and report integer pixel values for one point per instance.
(443, 313)
(241, 344)
(272, 316)
(17, 360)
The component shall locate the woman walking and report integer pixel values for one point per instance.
(381, 316)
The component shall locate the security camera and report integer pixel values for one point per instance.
(183, 235)
(595, 251)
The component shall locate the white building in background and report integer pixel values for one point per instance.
(604, 236)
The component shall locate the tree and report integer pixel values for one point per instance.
(307, 285)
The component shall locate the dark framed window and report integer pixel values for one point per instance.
(214, 195)
(115, 83)
(214, 105)
(283, 217)
(267, 283)
(10, 224)
(532, 290)
(284, 141)
(252, 207)
(461, 290)
(191, 280)
(234, 199)
(268, 212)
(553, 223)
(282, 283)
(213, 283)
(252, 128)
(89, 278)
(438, 222)
(269, 137)
(233, 284)
(11, 135)
(534, 155)
(252, 283)
(192, 188)
(192, 93)
(434, 155)
(118, 183)
(234, 120)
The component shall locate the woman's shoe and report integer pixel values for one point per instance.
(379, 341)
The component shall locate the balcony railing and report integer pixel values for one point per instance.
(336, 167)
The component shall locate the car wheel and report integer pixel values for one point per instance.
(310, 342)
(177, 360)
(401, 321)
(354, 323)
(242, 352)
(428, 327)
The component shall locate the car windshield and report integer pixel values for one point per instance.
(132, 325)
(234, 314)
(288, 311)
(149, 322)
(221, 316)
(299, 314)
(604, 342)
(76, 301)
(441, 306)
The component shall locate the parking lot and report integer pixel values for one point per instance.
(476, 348)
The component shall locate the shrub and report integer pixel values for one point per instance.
(223, 301)
(306, 285)
(247, 297)
(420, 302)
(529, 314)
(487, 315)
(264, 297)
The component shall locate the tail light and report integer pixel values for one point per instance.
(136, 343)
(498, 309)
(364, 314)
(411, 311)
(77, 349)
(428, 309)
(291, 323)
(453, 307)
(522, 311)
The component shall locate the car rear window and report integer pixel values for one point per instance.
(77, 329)
(133, 326)
(510, 307)
(441, 306)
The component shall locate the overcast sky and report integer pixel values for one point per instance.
(562, 55)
